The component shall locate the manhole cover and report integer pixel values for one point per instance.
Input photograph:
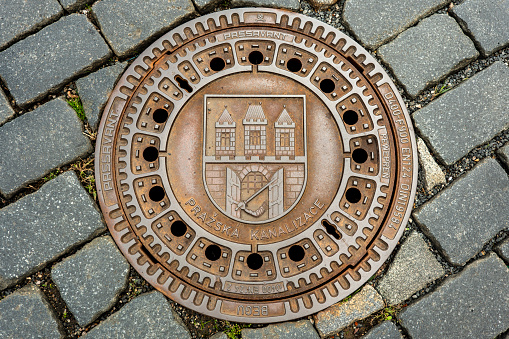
(256, 165)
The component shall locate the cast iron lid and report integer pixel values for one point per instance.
(256, 165)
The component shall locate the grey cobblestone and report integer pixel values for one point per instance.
(504, 154)
(473, 304)
(433, 174)
(413, 267)
(322, 4)
(484, 20)
(95, 89)
(463, 217)
(386, 330)
(503, 248)
(73, 4)
(17, 17)
(375, 22)
(36, 142)
(426, 53)
(467, 116)
(338, 316)
(6, 110)
(148, 316)
(51, 57)
(91, 280)
(41, 226)
(128, 23)
(26, 314)
(288, 4)
(289, 330)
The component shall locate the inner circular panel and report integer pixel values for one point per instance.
(256, 165)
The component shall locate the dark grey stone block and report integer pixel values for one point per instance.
(95, 89)
(6, 110)
(74, 4)
(413, 267)
(91, 280)
(466, 215)
(19, 17)
(387, 330)
(127, 24)
(293, 5)
(41, 226)
(425, 54)
(289, 330)
(36, 142)
(51, 57)
(503, 249)
(374, 22)
(487, 21)
(468, 115)
(26, 314)
(148, 316)
(473, 304)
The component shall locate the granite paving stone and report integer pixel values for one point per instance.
(288, 4)
(288, 330)
(26, 314)
(468, 115)
(338, 316)
(467, 214)
(219, 335)
(375, 22)
(43, 225)
(51, 57)
(322, 4)
(71, 5)
(473, 304)
(127, 24)
(36, 142)
(433, 174)
(91, 280)
(504, 154)
(503, 249)
(6, 110)
(413, 267)
(386, 330)
(19, 17)
(95, 89)
(425, 54)
(148, 316)
(485, 20)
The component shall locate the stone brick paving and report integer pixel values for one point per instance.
(450, 282)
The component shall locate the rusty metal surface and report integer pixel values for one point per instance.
(256, 165)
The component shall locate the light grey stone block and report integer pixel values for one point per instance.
(428, 52)
(433, 174)
(6, 110)
(503, 249)
(42, 226)
(468, 115)
(473, 304)
(127, 24)
(374, 22)
(414, 266)
(74, 4)
(36, 142)
(51, 57)
(91, 280)
(288, 330)
(386, 330)
(293, 5)
(467, 214)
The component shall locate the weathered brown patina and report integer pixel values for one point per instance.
(256, 165)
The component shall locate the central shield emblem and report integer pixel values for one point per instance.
(254, 157)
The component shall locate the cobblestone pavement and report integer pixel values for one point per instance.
(61, 274)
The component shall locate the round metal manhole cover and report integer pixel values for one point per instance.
(256, 165)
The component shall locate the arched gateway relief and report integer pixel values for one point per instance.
(255, 154)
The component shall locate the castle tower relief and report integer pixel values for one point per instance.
(255, 134)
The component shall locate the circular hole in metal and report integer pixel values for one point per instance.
(327, 85)
(178, 228)
(160, 115)
(350, 117)
(294, 65)
(296, 253)
(213, 252)
(217, 64)
(255, 57)
(353, 195)
(150, 154)
(254, 261)
(156, 193)
(359, 156)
